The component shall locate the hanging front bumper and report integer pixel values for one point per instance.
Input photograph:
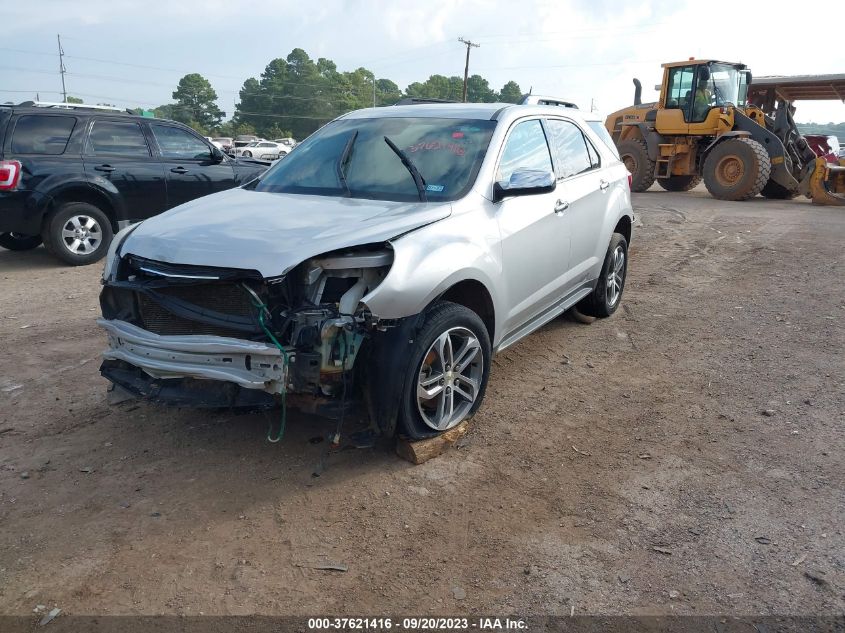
(248, 364)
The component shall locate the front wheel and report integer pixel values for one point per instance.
(606, 296)
(737, 169)
(447, 373)
(19, 242)
(247, 154)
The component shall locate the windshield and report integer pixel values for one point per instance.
(725, 83)
(335, 161)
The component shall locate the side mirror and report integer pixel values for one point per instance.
(525, 182)
(216, 155)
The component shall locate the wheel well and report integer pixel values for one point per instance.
(84, 195)
(473, 295)
(624, 227)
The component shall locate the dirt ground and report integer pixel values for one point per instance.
(684, 456)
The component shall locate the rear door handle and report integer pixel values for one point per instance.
(560, 207)
(106, 168)
(604, 185)
(179, 170)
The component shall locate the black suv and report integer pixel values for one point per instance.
(71, 176)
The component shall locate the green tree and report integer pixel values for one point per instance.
(195, 101)
(479, 91)
(437, 87)
(387, 92)
(510, 93)
(74, 100)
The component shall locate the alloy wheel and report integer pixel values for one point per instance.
(615, 276)
(81, 234)
(449, 379)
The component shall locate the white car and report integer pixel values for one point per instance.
(403, 245)
(265, 150)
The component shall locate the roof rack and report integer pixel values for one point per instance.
(73, 106)
(416, 100)
(530, 99)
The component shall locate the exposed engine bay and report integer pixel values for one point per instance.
(209, 336)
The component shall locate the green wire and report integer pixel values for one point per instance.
(262, 310)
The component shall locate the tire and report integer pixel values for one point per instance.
(18, 242)
(679, 183)
(737, 169)
(247, 154)
(421, 417)
(634, 154)
(604, 299)
(78, 233)
(776, 191)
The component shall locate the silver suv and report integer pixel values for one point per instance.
(379, 266)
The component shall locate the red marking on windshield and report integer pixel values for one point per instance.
(455, 148)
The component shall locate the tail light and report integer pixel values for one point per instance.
(630, 180)
(10, 174)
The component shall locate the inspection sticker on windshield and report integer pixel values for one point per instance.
(435, 188)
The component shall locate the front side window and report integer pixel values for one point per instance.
(117, 138)
(571, 149)
(525, 150)
(179, 144)
(42, 134)
(351, 157)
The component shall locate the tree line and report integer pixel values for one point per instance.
(296, 95)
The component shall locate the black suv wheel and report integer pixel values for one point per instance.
(18, 242)
(78, 233)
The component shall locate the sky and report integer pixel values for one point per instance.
(132, 53)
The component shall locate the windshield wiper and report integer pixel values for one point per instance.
(419, 181)
(344, 158)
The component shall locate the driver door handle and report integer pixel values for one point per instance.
(179, 170)
(105, 168)
(604, 185)
(560, 207)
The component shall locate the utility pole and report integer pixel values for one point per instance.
(62, 69)
(469, 45)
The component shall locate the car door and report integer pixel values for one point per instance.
(582, 185)
(117, 157)
(189, 163)
(535, 236)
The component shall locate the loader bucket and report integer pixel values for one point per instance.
(827, 183)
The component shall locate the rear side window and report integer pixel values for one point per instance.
(117, 138)
(42, 134)
(179, 144)
(572, 155)
(604, 135)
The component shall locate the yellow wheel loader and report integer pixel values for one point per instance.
(703, 128)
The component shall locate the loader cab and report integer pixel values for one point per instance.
(697, 97)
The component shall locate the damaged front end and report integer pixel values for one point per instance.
(218, 337)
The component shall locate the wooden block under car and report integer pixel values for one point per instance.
(423, 450)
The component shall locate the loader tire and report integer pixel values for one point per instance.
(679, 183)
(776, 191)
(737, 169)
(634, 154)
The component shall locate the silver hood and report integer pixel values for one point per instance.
(272, 232)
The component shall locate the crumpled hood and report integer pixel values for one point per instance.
(271, 232)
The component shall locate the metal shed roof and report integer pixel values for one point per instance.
(803, 87)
